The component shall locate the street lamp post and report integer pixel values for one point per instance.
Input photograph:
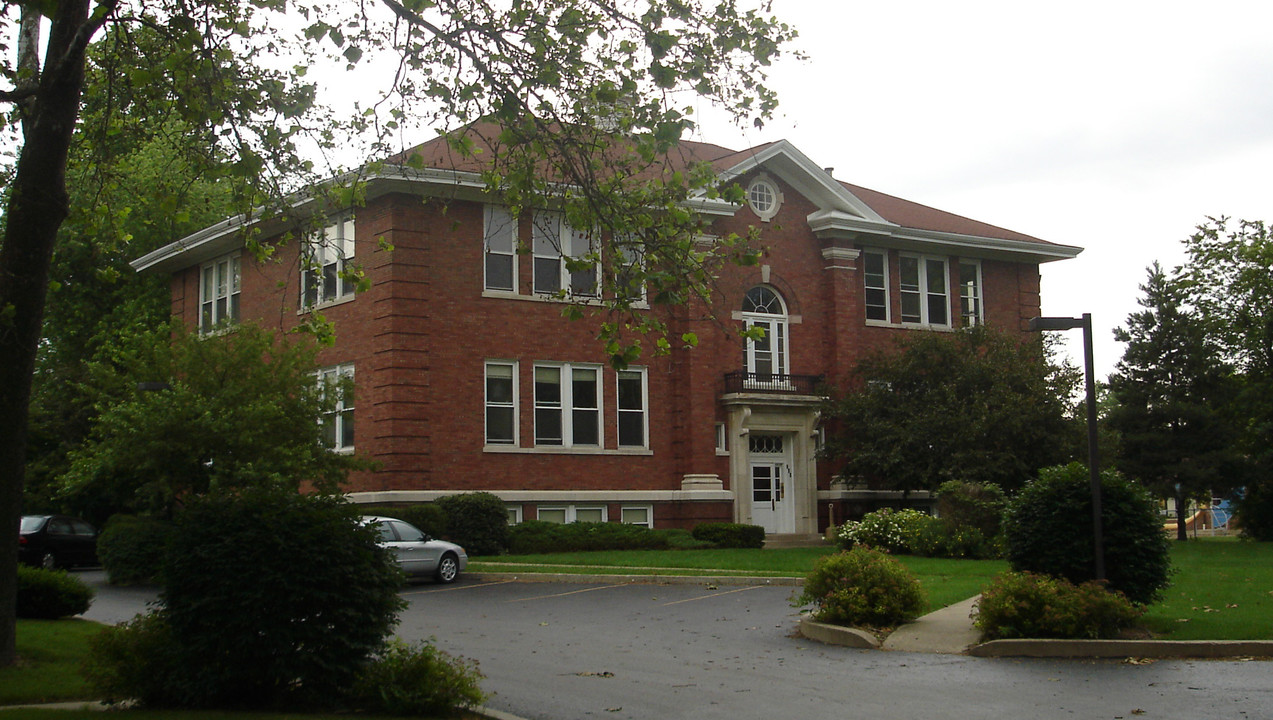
(1093, 460)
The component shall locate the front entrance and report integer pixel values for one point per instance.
(772, 505)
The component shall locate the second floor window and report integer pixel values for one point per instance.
(561, 259)
(767, 356)
(323, 277)
(219, 293)
(500, 249)
(338, 423)
(924, 296)
(875, 281)
(970, 308)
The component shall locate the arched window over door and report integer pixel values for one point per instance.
(765, 359)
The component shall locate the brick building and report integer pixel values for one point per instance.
(468, 378)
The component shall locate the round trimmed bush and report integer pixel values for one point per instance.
(1048, 530)
(862, 586)
(51, 594)
(476, 521)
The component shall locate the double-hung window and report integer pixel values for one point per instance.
(501, 403)
(568, 405)
(219, 281)
(500, 246)
(970, 308)
(338, 422)
(323, 277)
(924, 296)
(628, 269)
(633, 421)
(564, 258)
(875, 280)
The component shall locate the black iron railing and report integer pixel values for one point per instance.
(740, 381)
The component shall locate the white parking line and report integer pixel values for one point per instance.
(458, 587)
(705, 597)
(572, 592)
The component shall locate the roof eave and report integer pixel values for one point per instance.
(832, 224)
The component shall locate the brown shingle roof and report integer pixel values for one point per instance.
(437, 153)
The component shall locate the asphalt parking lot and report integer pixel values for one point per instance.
(571, 651)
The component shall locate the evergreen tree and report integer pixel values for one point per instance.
(1172, 392)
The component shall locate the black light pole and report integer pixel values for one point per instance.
(1093, 460)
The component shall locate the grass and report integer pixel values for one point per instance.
(49, 656)
(1222, 590)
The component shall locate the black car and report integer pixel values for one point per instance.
(52, 541)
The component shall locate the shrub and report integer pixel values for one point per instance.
(269, 598)
(679, 539)
(477, 521)
(886, 529)
(537, 536)
(730, 535)
(972, 505)
(51, 594)
(131, 549)
(416, 680)
(1253, 511)
(1048, 530)
(1026, 605)
(862, 586)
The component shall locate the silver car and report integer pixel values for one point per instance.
(418, 554)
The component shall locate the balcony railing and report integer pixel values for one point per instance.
(740, 381)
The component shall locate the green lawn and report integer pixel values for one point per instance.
(1222, 590)
(50, 653)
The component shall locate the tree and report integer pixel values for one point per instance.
(977, 405)
(1229, 277)
(557, 71)
(1172, 394)
(236, 410)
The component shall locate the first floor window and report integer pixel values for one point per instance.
(323, 278)
(970, 292)
(642, 515)
(501, 403)
(219, 293)
(567, 405)
(338, 422)
(572, 513)
(632, 416)
(923, 290)
(875, 280)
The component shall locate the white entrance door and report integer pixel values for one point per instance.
(772, 504)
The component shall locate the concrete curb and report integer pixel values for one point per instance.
(1227, 649)
(838, 635)
(638, 579)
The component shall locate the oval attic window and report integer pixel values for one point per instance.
(763, 198)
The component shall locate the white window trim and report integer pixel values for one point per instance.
(486, 403)
(924, 293)
(514, 514)
(619, 411)
(488, 213)
(338, 236)
(572, 511)
(979, 316)
(567, 406)
(888, 303)
(325, 377)
(722, 439)
(219, 323)
(649, 515)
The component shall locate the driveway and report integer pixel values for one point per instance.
(590, 651)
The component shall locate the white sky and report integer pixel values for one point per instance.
(1116, 126)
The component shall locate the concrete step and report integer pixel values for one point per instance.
(793, 540)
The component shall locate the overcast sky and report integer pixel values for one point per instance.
(1114, 126)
